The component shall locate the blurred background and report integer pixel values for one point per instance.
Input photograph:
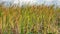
(31, 2)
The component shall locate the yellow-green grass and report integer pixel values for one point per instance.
(29, 20)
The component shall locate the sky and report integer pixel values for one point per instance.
(31, 2)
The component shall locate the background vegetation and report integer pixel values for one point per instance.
(29, 20)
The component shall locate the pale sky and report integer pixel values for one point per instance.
(58, 0)
(47, 2)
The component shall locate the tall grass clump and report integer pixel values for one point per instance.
(29, 20)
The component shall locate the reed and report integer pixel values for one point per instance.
(30, 20)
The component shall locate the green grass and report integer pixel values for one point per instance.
(30, 20)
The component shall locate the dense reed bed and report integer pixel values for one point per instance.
(30, 20)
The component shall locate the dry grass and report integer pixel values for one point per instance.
(29, 20)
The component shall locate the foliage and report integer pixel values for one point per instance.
(29, 20)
